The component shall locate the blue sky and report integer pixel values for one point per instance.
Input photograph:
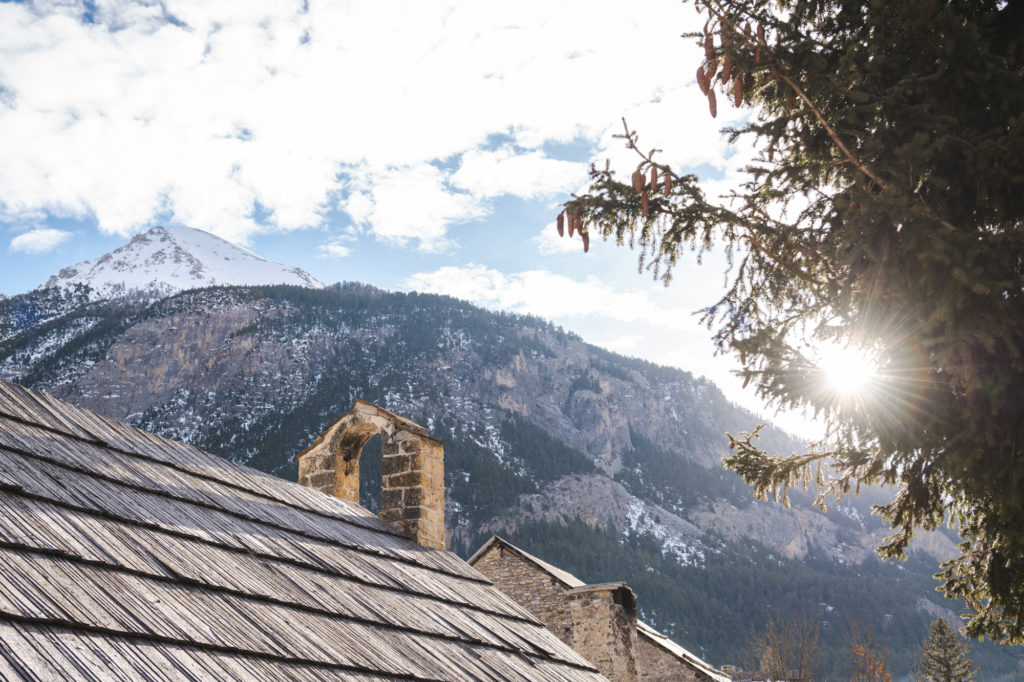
(409, 145)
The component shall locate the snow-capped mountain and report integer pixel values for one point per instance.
(166, 260)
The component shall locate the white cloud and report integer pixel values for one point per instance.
(332, 250)
(410, 203)
(548, 295)
(237, 117)
(39, 241)
(527, 175)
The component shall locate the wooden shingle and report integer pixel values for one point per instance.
(126, 556)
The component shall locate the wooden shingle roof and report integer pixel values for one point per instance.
(126, 556)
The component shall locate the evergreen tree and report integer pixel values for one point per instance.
(943, 657)
(884, 211)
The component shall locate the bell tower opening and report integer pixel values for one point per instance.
(370, 474)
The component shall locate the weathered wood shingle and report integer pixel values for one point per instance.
(126, 556)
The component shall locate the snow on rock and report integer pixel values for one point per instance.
(166, 260)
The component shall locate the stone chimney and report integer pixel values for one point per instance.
(604, 628)
(412, 484)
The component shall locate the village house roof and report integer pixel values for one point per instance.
(126, 556)
(574, 584)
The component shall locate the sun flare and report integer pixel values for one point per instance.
(847, 370)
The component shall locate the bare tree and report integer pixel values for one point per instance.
(786, 648)
(868, 655)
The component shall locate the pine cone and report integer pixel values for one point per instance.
(737, 92)
(645, 203)
(668, 185)
(702, 82)
(638, 181)
(712, 104)
(726, 69)
(586, 241)
(712, 70)
(572, 221)
(654, 176)
(709, 47)
(560, 224)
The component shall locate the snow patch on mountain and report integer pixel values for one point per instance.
(166, 260)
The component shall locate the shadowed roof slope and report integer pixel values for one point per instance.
(126, 556)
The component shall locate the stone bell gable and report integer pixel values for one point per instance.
(412, 483)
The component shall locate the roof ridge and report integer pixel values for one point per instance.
(566, 578)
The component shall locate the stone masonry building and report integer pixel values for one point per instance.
(598, 621)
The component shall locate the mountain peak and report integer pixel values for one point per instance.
(165, 260)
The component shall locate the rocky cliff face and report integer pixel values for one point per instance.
(542, 429)
(207, 363)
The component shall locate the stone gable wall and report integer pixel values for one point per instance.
(657, 665)
(531, 588)
(596, 627)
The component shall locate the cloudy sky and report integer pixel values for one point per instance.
(411, 145)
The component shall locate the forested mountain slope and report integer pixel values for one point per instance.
(605, 465)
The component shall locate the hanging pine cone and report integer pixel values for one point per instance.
(638, 181)
(668, 185)
(737, 92)
(712, 104)
(645, 203)
(572, 221)
(654, 177)
(560, 224)
(712, 70)
(586, 241)
(709, 47)
(702, 82)
(726, 69)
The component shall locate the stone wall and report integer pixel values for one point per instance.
(604, 628)
(598, 622)
(531, 588)
(657, 665)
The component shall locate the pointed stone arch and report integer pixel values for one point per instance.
(412, 469)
